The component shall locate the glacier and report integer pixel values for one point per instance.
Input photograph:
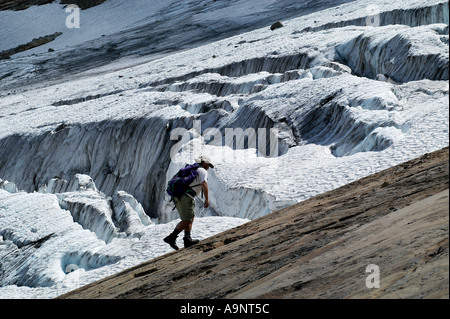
(341, 91)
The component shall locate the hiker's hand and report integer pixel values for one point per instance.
(206, 204)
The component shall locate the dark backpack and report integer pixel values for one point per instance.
(179, 184)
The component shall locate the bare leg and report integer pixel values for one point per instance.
(189, 226)
(185, 225)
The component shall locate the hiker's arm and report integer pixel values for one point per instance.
(205, 192)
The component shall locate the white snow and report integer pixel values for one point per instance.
(84, 159)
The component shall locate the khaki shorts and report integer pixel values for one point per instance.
(185, 206)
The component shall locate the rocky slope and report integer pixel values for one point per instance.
(396, 220)
(22, 5)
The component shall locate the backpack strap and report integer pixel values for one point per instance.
(190, 191)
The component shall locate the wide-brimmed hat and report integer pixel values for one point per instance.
(205, 159)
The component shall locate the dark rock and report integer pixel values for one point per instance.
(276, 25)
(83, 4)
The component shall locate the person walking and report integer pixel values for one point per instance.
(185, 204)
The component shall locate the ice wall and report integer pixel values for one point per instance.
(71, 215)
(377, 15)
(108, 217)
(31, 242)
(401, 53)
(128, 155)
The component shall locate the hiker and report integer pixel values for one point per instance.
(185, 204)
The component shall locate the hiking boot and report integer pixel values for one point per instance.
(188, 241)
(172, 241)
